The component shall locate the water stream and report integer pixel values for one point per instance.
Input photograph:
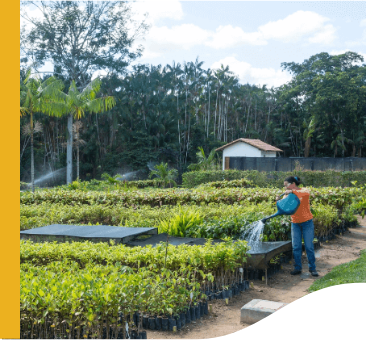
(252, 235)
(50, 176)
(128, 176)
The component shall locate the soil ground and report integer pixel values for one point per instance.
(282, 287)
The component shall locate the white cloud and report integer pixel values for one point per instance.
(360, 41)
(157, 10)
(299, 25)
(306, 25)
(253, 75)
(229, 36)
(183, 36)
(325, 36)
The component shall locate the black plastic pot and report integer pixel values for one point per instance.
(197, 312)
(165, 324)
(188, 316)
(145, 321)
(171, 323)
(152, 323)
(247, 285)
(183, 319)
(136, 318)
(201, 309)
(178, 323)
(133, 334)
(158, 323)
(192, 313)
(143, 335)
(206, 310)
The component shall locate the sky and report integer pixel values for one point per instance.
(252, 37)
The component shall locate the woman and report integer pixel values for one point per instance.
(302, 224)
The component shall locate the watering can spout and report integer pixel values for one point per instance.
(287, 206)
(269, 217)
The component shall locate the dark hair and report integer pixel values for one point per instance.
(294, 179)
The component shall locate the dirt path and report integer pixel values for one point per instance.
(281, 287)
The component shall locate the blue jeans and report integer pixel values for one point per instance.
(307, 229)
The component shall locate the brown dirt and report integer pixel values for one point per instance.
(281, 287)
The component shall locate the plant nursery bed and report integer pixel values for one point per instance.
(283, 287)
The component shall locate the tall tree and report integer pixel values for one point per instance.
(75, 104)
(80, 38)
(35, 96)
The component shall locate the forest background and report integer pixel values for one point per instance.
(165, 112)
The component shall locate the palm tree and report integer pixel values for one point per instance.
(75, 104)
(204, 163)
(307, 135)
(337, 142)
(164, 175)
(77, 142)
(35, 97)
(27, 132)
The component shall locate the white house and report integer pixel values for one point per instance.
(244, 147)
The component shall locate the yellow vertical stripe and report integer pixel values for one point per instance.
(10, 173)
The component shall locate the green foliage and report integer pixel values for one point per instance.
(338, 197)
(358, 205)
(203, 162)
(275, 179)
(75, 185)
(78, 299)
(111, 180)
(148, 122)
(330, 208)
(181, 224)
(237, 183)
(351, 272)
(207, 258)
(164, 177)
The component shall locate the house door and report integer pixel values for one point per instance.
(226, 163)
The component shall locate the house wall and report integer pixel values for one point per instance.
(268, 154)
(240, 149)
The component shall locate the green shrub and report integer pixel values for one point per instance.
(329, 178)
(181, 223)
(236, 183)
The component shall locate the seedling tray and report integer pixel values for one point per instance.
(93, 233)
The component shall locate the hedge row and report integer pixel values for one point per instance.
(275, 179)
(209, 221)
(338, 197)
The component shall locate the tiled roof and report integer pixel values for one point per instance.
(257, 143)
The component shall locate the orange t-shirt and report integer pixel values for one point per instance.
(303, 212)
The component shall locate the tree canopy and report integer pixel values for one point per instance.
(164, 113)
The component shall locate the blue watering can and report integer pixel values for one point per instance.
(286, 206)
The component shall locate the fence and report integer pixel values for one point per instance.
(290, 164)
